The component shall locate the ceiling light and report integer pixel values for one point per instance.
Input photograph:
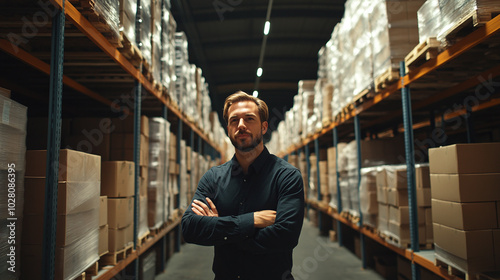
(259, 72)
(255, 93)
(267, 26)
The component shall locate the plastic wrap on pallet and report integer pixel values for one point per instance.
(142, 227)
(336, 62)
(429, 20)
(159, 131)
(127, 18)
(169, 26)
(394, 33)
(183, 176)
(368, 194)
(109, 9)
(156, 42)
(75, 258)
(145, 34)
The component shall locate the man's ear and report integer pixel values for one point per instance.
(264, 126)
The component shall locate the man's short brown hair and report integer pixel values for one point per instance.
(243, 96)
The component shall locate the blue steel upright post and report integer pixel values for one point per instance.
(357, 133)
(410, 168)
(53, 145)
(339, 197)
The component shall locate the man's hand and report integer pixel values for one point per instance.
(201, 209)
(264, 218)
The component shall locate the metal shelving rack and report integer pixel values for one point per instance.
(406, 110)
(65, 13)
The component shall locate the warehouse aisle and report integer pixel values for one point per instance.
(315, 258)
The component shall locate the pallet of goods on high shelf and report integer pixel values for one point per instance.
(449, 21)
(104, 16)
(464, 184)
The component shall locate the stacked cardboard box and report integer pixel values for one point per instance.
(465, 201)
(118, 179)
(158, 195)
(127, 14)
(12, 170)
(77, 234)
(168, 28)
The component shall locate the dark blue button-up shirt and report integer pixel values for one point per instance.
(242, 251)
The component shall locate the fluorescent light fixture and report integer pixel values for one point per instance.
(267, 26)
(255, 93)
(259, 72)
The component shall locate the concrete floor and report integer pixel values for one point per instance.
(315, 258)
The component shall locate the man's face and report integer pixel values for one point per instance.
(245, 128)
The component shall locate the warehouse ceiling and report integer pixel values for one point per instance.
(226, 38)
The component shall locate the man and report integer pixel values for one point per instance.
(250, 208)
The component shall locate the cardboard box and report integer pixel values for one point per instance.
(120, 238)
(74, 166)
(465, 159)
(103, 239)
(386, 266)
(382, 195)
(120, 212)
(471, 265)
(423, 197)
(401, 215)
(466, 187)
(70, 261)
(73, 197)
(368, 202)
(422, 176)
(474, 246)
(396, 177)
(383, 211)
(103, 211)
(128, 155)
(397, 197)
(465, 216)
(69, 229)
(118, 178)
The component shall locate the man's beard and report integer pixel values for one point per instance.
(248, 147)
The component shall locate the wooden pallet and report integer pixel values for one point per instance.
(468, 23)
(424, 51)
(404, 244)
(489, 275)
(80, 276)
(361, 97)
(130, 50)
(93, 270)
(142, 239)
(390, 76)
(113, 258)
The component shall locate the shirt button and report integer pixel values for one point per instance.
(244, 180)
(239, 277)
(225, 237)
(241, 203)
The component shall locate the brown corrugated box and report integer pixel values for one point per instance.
(119, 238)
(73, 197)
(120, 212)
(465, 159)
(429, 234)
(396, 177)
(397, 197)
(118, 178)
(127, 125)
(466, 187)
(423, 197)
(402, 231)
(401, 215)
(422, 176)
(382, 195)
(465, 216)
(5, 92)
(74, 166)
(475, 247)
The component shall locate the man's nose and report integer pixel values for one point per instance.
(241, 124)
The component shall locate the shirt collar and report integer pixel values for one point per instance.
(256, 165)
